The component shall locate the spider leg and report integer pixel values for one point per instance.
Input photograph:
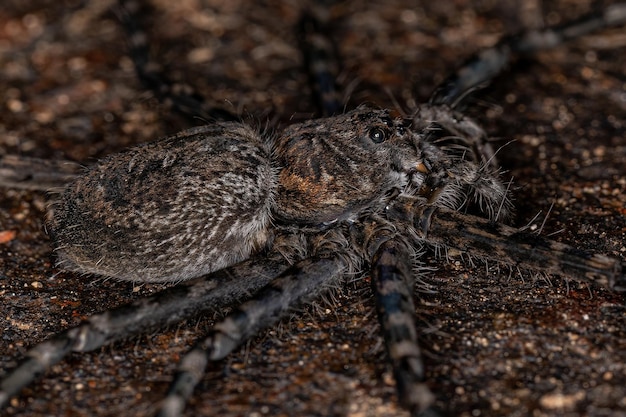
(481, 68)
(45, 175)
(392, 281)
(321, 61)
(182, 97)
(210, 293)
(300, 283)
(511, 246)
(486, 239)
(36, 174)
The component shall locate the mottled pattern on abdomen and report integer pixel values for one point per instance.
(173, 209)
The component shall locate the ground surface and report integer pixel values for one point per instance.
(495, 344)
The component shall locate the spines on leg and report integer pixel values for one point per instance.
(392, 281)
(523, 250)
(211, 293)
(299, 284)
(462, 170)
(486, 239)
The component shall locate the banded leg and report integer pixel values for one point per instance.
(36, 174)
(321, 62)
(507, 245)
(510, 246)
(170, 306)
(489, 63)
(182, 97)
(392, 281)
(297, 285)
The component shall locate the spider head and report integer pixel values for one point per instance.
(332, 168)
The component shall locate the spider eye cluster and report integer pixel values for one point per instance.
(384, 129)
(378, 135)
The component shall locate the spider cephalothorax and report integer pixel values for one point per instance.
(331, 168)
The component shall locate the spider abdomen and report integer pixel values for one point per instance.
(173, 209)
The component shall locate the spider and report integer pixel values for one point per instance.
(422, 173)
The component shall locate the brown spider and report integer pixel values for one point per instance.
(416, 168)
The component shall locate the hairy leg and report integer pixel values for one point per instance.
(483, 67)
(188, 299)
(392, 282)
(299, 284)
(485, 239)
(321, 61)
(182, 97)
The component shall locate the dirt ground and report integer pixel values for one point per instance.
(496, 343)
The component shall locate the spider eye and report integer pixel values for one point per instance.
(377, 135)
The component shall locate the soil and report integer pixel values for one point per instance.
(496, 342)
